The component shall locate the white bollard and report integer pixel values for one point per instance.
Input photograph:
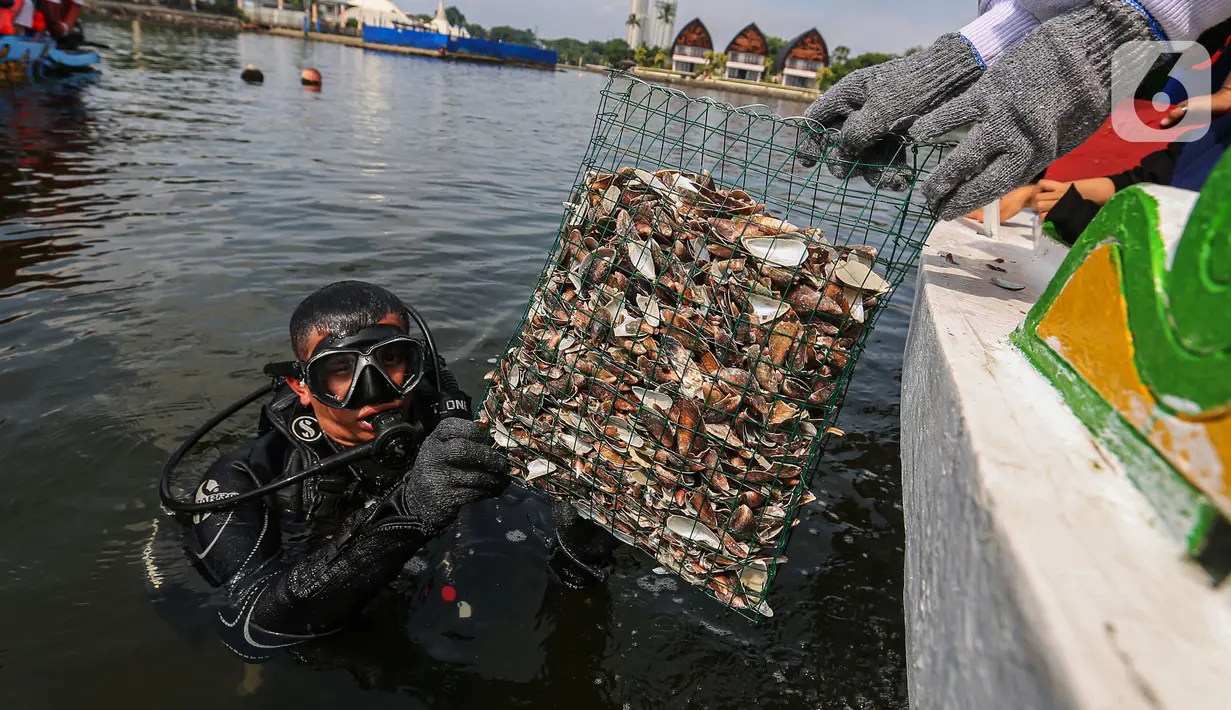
(991, 220)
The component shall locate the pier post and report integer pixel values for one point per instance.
(991, 220)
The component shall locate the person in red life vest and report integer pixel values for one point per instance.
(16, 16)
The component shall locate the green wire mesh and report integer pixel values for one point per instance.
(691, 337)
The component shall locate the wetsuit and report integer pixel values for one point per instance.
(351, 536)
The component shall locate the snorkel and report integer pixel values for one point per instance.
(393, 446)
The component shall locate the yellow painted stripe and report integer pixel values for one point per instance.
(1087, 326)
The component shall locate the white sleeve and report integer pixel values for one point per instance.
(1001, 24)
(1185, 20)
(1047, 9)
(1176, 20)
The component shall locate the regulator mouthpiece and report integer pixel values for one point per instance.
(396, 440)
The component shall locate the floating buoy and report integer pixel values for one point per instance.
(252, 75)
(310, 77)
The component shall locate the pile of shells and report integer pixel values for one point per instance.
(674, 367)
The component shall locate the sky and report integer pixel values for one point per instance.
(862, 25)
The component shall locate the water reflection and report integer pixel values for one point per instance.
(47, 142)
(548, 659)
(21, 259)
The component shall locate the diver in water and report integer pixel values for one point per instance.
(366, 451)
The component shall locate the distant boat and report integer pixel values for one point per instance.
(23, 59)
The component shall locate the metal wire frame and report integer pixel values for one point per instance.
(676, 373)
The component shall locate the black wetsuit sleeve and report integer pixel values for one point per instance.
(1154, 168)
(274, 602)
(1071, 215)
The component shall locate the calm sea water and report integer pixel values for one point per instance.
(157, 226)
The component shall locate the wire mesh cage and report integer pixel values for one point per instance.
(690, 339)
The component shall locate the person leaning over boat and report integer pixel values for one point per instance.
(62, 18)
(356, 371)
(1073, 204)
(1070, 206)
(1051, 55)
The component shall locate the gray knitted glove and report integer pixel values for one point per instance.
(870, 104)
(1041, 100)
(455, 467)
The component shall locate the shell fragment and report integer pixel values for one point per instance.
(783, 252)
(856, 274)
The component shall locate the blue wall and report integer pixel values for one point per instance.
(404, 38)
(477, 47)
(501, 50)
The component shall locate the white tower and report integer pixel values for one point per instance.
(653, 25)
(664, 28)
(636, 34)
(440, 24)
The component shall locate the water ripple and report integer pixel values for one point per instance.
(158, 224)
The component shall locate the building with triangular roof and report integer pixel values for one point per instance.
(690, 47)
(746, 54)
(802, 59)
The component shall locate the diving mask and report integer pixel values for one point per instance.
(375, 365)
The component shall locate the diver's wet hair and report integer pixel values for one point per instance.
(342, 308)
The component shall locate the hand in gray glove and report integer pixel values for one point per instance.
(870, 104)
(455, 466)
(1043, 98)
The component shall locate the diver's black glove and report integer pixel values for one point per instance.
(455, 467)
(582, 553)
